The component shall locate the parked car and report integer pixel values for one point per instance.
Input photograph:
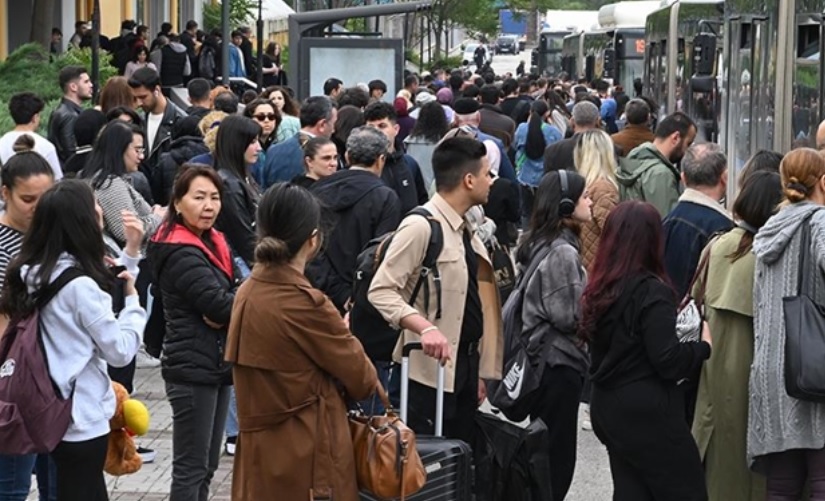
(508, 44)
(470, 51)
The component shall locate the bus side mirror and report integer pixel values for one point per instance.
(609, 62)
(702, 83)
(704, 54)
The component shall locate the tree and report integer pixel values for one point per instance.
(42, 22)
(476, 15)
(240, 13)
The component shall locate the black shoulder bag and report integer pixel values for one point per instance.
(805, 330)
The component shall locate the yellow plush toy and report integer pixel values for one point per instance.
(131, 418)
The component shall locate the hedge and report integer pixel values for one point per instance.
(30, 68)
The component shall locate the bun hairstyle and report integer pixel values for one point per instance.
(23, 143)
(288, 216)
(25, 163)
(801, 170)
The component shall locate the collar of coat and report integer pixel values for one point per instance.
(697, 197)
(453, 218)
(180, 235)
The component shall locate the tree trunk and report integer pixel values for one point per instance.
(42, 22)
(533, 23)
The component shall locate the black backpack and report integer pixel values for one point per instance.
(376, 334)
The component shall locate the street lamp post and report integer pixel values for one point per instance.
(95, 51)
(260, 26)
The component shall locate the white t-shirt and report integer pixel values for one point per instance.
(41, 145)
(152, 130)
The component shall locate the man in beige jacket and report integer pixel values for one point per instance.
(464, 330)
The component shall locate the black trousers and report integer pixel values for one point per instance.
(459, 407)
(653, 456)
(80, 470)
(124, 375)
(558, 406)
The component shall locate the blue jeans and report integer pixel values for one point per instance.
(16, 477)
(232, 415)
(372, 405)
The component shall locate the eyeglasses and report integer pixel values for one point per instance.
(269, 116)
(140, 150)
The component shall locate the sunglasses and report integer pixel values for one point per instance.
(270, 116)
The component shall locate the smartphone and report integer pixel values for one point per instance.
(118, 290)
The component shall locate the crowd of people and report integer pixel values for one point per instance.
(222, 244)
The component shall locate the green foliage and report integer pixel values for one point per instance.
(29, 68)
(240, 12)
(447, 63)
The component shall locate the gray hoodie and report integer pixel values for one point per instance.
(81, 335)
(777, 422)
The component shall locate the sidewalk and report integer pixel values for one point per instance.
(152, 482)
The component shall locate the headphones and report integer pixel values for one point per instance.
(566, 205)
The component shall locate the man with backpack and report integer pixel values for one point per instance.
(457, 318)
(359, 207)
(649, 173)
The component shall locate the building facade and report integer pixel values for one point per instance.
(16, 17)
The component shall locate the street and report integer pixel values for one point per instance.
(503, 63)
(591, 482)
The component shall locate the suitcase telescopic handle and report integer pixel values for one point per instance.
(405, 388)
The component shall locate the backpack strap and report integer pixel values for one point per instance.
(430, 262)
(47, 293)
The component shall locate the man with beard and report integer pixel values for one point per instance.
(77, 88)
(649, 173)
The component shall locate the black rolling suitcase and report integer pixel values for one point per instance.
(449, 463)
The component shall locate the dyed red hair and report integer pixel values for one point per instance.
(632, 243)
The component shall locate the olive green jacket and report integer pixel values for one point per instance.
(721, 420)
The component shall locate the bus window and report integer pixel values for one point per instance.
(805, 116)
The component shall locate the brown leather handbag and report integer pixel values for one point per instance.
(386, 461)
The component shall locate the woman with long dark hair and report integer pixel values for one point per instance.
(80, 331)
(236, 151)
(24, 178)
(559, 115)
(290, 111)
(267, 115)
(197, 283)
(550, 309)
(117, 153)
(272, 70)
(628, 316)
(531, 139)
(349, 118)
(720, 425)
(429, 129)
(287, 341)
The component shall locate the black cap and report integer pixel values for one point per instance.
(466, 106)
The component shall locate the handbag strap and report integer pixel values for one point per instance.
(803, 285)
(701, 271)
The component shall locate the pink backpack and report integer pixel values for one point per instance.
(34, 416)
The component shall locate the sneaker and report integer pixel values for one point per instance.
(145, 360)
(147, 455)
(230, 445)
(586, 424)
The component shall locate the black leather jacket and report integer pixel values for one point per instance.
(163, 141)
(237, 216)
(61, 128)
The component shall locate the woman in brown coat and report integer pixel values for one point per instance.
(294, 358)
(596, 162)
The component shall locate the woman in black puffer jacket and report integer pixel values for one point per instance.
(197, 282)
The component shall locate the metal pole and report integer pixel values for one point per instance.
(421, 44)
(260, 26)
(227, 39)
(95, 51)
